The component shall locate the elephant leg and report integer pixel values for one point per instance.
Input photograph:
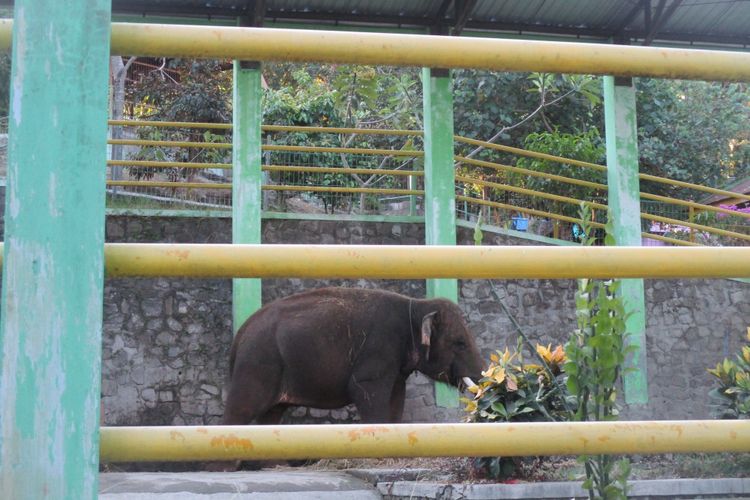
(397, 401)
(271, 417)
(245, 403)
(250, 398)
(373, 399)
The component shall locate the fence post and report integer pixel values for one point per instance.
(691, 219)
(53, 269)
(624, 204)
(247, 177)
(440, 197)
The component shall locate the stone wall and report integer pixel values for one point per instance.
(166, 341)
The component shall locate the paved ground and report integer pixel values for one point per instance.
(260, 485)
(361, 485)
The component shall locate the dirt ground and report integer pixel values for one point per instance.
(459, 470)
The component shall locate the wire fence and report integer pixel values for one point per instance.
(175, 167)
(163, 165)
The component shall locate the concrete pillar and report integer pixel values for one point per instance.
(246, 180)
(439, 199)
(625, 206)
(53, 268)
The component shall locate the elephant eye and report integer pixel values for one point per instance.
(459, 343)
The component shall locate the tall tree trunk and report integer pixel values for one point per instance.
(118, 71)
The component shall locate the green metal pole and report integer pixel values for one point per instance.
(53, 275)
(246, 179)
(439, 198)
(625, 206)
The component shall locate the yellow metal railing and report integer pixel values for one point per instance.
(599, 206)
(284, 185)
(419, 261)
(261, 442)
(690, 224)
(601, 168)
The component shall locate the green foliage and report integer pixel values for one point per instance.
(486, 102)
(512, 390)
(693, 131)
(596, 353)
(731, 396)
(193, 155)
(341, 96)
(184, 90)
(586, 146)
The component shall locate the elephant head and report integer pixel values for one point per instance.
(449, 353)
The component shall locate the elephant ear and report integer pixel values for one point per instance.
(428, 325)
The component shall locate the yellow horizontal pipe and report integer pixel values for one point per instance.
(360, 151)
(166, 184)
(530, 211)
(166, 164)
(265, 128)
(265, 187)
(564, 218)
(155, 123)
(697, 187)
(264, 44)
(334, 189)
(340, 130)
(700, 206)
(667, 239)
(533, 173)
(340, 170)
(460, 159)
(529, 192)
(699, 227)
(169, 144)
(417, 261)
(528, 153)
(560, 159)
(600, 206)
(187, 443)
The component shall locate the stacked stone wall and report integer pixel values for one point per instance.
(166, 341)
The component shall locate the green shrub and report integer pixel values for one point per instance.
(514, 391)
(732, 396)
(596, 355)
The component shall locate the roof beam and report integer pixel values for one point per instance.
(631, 15)
(463, 11)
(438, 20)
(662, 16)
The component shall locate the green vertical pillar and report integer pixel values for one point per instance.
(53, 268)
(625, 206)
(439, 198)
(246, 179)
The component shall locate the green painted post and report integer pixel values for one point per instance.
(246, 179)
(625, 206)
(439, 198)
(53, 271)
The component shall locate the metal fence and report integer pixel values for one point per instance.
(316, 170)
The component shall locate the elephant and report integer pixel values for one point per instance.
(329, 347)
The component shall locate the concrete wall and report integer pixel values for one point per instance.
(166, 341)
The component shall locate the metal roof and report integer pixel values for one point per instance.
(649, 22)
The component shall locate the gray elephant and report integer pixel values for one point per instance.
(329, 347)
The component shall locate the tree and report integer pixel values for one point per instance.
(697, 132)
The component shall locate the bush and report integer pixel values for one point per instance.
(732, 396)
(514, 391)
